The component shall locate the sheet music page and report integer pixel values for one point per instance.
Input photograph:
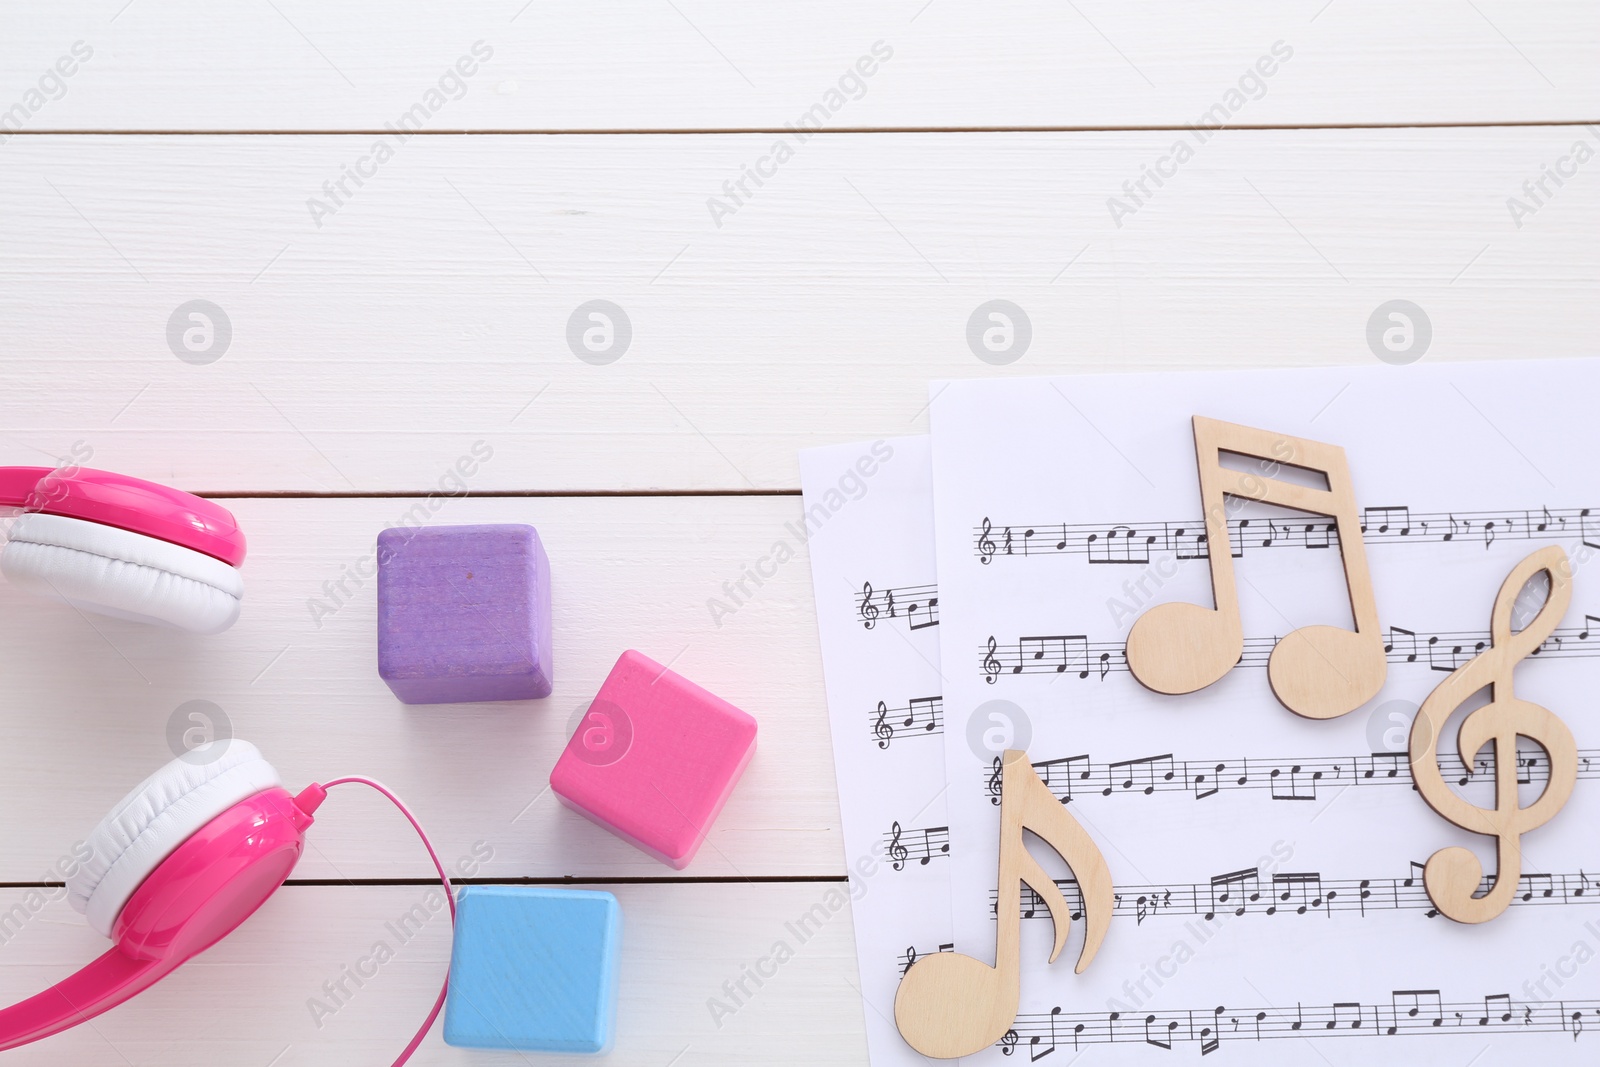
(1268, 866)
(869, 520)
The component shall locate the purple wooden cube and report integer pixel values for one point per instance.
(464, 613)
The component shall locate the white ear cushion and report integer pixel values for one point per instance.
(160, 814)
(117, 572)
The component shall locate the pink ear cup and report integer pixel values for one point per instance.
(143, 507)
(199, 894)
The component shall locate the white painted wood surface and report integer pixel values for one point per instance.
(818, 312)
(626, 573)
(721, 64)
(429, 312)
(245, 1002)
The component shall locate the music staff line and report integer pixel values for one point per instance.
(918, 605)
(1409, 1013)
(922, 845)
(1136, 543)
(1071, 776)
(921, 717)
(1075, 654)
(1252, 891)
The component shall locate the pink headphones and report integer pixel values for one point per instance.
(122, 546)
(198, 846)
(185, 858)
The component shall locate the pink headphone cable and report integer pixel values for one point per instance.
(311, 798)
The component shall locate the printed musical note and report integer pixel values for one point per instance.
(1119, 544)
(1316, 671)
(1344, 1013)
(1301, 892)
(1403, 640)
(1063, 652)
(1059, 774)
(1234, 891)
(921, 615)
(1453, 874)
(1142, 773)
(1379, 521)
(1292, 783)
(1161, 1036)
(1041, 1045)
(1420, 1004)
(951, 1005)
(1211, 1036)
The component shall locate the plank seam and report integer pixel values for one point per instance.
(694, 131)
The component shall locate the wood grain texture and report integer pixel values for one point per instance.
(247, 1000)
(718, 64)
(430, 312)
(92, 707)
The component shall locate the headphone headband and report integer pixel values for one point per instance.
(132, 504)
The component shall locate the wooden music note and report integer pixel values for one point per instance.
(1320, 672)
(1452, 875)
(951, 1005)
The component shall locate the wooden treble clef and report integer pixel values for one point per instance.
(1452, 875)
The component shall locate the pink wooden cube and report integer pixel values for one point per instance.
(654, 759)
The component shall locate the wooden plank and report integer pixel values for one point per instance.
(248, 1000)
(718, 64)
(93, 706)
(431, 310)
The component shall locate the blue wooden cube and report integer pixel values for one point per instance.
(464, 613)
(533, 969)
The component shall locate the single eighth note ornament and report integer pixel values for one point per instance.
(951, 1005)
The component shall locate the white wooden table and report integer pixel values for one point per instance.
(596, 152)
